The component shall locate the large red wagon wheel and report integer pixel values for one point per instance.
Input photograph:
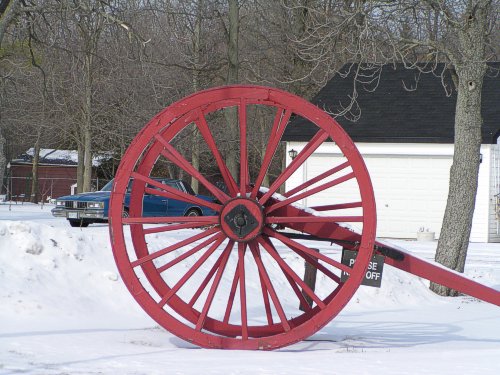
(233, 279)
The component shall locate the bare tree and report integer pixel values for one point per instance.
(8, 12)
(196, 43)
(471, 25)
(77, 41)
(232, 34)
(420, 34)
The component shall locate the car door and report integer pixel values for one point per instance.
(154, 205)
(176, 207)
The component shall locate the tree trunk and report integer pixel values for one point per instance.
(195, 160)
(87, 164)
(195, 151)
(34, 171)
(79, 169)
(265, 181)
(5, 19)
(300, 68)
(265, 135)
(7, 16)
(34, 197)
(231, 114)
(87, 126)
(470, 68)
(3, 161)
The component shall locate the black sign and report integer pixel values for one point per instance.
(373, 276)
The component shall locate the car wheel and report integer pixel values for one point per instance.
(74, 223)
(193, 212)
(125, 213)
(78, 223)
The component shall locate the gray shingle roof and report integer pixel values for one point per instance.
(393, 114)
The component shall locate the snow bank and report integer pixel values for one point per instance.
(47, 270)
(64, 309)
(398, 289)
(51, 270)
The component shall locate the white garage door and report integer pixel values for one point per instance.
(410, 191)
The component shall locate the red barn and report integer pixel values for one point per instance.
(56, 174)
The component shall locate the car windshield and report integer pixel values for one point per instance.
(108, 186)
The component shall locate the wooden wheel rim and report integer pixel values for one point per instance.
(139, 160)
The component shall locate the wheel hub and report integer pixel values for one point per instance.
(242, 219)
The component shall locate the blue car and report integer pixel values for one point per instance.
(87, 208)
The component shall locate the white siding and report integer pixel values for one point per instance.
(479, 232)
(494, 185)
(409, 192)
(411, 186)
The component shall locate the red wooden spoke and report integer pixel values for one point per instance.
(243, 291)
(279, 125)
(168, 228)
(267, 305)
(209, 276)
(190, 272)
(298, 292)
(176, 246)
(317, 265)
(244, 177)
(232, 293)
(307, 151)
(313, 191)
(190, 222)
(265, 295)
(215, 285)
(312, 261)
(173, 155)
(293, 285)
(288, 271)
(270, 288)
(291, 243)
(204, 283)
(170, 192)
(207, 135)
(188, 253)
(340, 206)
(318, 178)
(313, 219)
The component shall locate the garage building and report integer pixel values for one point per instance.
(403, 126)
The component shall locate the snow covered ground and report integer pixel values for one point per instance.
(65, 310)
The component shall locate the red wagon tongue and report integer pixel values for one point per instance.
(349, 238)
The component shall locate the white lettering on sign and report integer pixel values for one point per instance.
(373, 266)
(373, 275)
